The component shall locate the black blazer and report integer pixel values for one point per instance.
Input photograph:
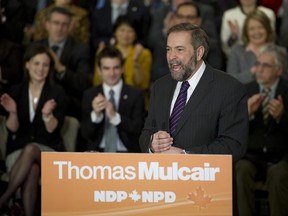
(77, 78)
(274, 136)
(35, 131)
(214, 121)
(131, 110)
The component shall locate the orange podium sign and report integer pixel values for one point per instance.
(136, 184)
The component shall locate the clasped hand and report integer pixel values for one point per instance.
(162, 143)
(100, 103)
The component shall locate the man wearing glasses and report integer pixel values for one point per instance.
(266, 159)
(71, 57)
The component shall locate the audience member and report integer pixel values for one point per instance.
(72, 69)
(266, 158)
(35, 116)
(80, 27)
(113, 112)
(162, 20)
(257, 33)
(233, 20)
(104, 18)
(138, 60)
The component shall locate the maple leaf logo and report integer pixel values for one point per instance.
(134, 196)
(199, 198)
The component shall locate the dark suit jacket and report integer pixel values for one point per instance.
(274, 136)
(77, 78)
(11, 56)
(19, 13)
(35, 131)
(102, 27)
(214, 121)
(131, 110)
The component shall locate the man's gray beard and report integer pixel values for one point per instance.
(188, 69)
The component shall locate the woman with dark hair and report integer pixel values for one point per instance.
(35, 116)
(138, 60)
(233, 20)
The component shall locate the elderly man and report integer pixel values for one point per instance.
(266, 157)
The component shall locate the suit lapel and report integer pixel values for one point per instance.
(66, 50)
(124, 97)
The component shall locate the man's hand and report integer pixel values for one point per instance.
(276, 108)
(173, 150)
(254, 102)
(162, 141)
(99, 103)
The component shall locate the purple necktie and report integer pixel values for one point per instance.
(178, 107)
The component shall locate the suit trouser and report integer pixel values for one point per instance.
(277, 185)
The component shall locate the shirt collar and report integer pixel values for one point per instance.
(272, 87)
(193, 81)
(116, 88)
(60, 45)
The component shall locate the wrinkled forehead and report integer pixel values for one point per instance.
(267, 57)
(181, 38)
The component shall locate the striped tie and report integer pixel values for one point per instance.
(110, 129)
(178, 107)
(265, 104)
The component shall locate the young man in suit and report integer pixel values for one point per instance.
(266, 158)
(113, 104)
(72, 70)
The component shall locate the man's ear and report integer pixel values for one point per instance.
(200, 52)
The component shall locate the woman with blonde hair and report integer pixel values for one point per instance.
(257, 34)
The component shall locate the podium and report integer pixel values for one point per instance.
(135, 184)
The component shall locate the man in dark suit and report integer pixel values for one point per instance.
(214, 119)
(71, 57)
(266, 158)
(124, 109)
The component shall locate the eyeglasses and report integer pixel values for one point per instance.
(263, 65)
(188, 17)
